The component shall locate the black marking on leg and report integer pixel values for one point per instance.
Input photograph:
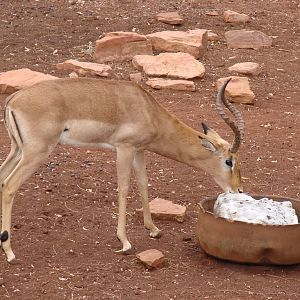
(17, 126)
(4, 236)
(66, 129)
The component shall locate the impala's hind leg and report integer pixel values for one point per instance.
(10, 162)
(30, 160)
(139, 168)
(8, 165)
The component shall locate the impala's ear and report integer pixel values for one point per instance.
(210, 132)
(207, 144)
(205, 128)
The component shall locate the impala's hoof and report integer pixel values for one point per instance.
(156, 233)
(127, 249)
(15, 261)
(11, 258)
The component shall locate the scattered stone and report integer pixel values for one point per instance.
(251, 39)
(247, 68)
(152, 258)
(238, 89)
(173, 65)
(179, 84)
(165, 210)
(234, 17)
(211, 36)
(136, 77)
(172, 18)
(85, 68)
(73, 75)
(121, 46)
(193, 42)
(2, 281)
(186, 238)
(212, 13)
(15, 80)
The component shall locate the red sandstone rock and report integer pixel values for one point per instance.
(152, 258)
(85, 68)
(179, 85)
(120, 46)
(193, 42)
(166, 210)
(15, 80)
(172, 18)
(234, 17)
(238, 89)
(251, 39)
(247, 68)
(173, 65)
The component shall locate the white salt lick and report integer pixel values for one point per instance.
(244, 208)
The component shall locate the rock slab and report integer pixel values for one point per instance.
(85, 68)
(172, 18)
(211, 36)
(247, 68)
(152, 258)
(251, 39)
(165, 210)
(173, 65)
(235, 17)
(238, 89)
(136, 77)
(193, 42)
(179, 84)
(121, 46)
(15, 80)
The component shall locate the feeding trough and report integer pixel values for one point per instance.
(247, 242)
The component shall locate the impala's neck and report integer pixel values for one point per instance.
(179, 142)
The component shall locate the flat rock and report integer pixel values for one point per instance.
(14, 80)
(172, 18)
(238, 89)
(211, 36)
(85, 68)
(251, 39)
(121, 46)
(173, 65)
(136, 77)
(165, 210)
(212, 13)
(247, 68)
(152, 258)
(193, 42)
(235, 17)
(179, 84)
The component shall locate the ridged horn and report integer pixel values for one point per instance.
(238, 126)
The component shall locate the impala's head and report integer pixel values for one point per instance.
(223, 159)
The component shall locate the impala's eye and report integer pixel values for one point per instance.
(228, 162)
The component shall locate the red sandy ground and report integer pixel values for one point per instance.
(64, 217)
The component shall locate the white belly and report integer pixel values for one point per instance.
(88, 133)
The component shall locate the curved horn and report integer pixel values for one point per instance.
(237, 127)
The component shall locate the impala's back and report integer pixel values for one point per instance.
(86, 112)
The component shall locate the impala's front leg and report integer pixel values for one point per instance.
(125, 156)
(139, 167)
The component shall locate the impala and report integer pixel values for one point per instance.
(115, 114)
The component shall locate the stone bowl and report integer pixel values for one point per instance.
(248, 243)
